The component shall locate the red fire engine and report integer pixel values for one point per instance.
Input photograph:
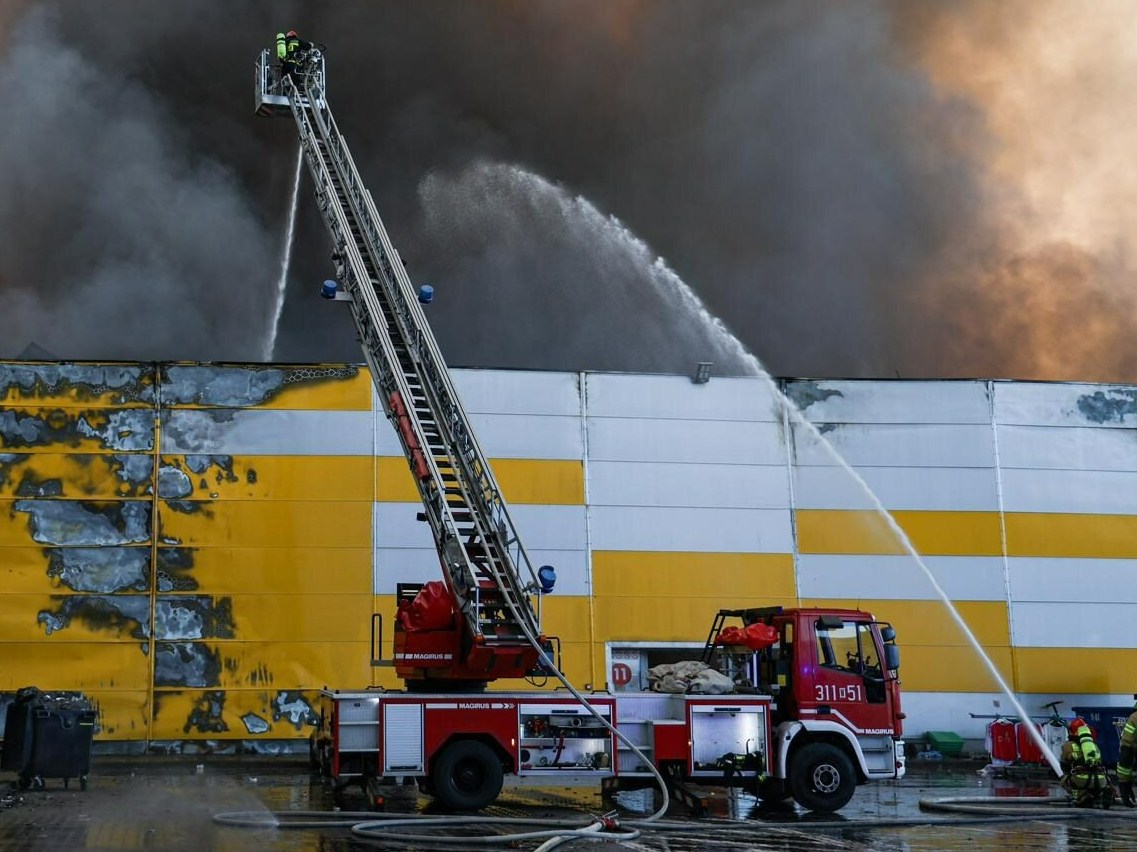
(814, 706)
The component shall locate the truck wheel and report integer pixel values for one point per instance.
(467, 776)
(821, 778)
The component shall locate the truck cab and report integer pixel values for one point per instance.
(834, 676)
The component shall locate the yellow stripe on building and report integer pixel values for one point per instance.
(302, 663)
(282, 524)
(256, 570)
(674, 596)
(1099, 670)
(309, 478)
(931, 533)
(557, 482)
(196, 714)
(83, 666)
(1072, 535)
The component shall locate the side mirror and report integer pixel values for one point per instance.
(891, 657)
(888, 633)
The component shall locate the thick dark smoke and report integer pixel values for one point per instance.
(796, 163)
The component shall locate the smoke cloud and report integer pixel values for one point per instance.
(870, 189)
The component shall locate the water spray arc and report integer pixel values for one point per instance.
(285, 258)
(695, 305)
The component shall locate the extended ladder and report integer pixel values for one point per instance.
(484, 564)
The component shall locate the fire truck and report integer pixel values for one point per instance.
(812, 703)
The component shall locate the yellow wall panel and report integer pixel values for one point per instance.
(301, 664)
(942, 668)
(92, 665)
(932, 533)
(566, 617)
(1098, 670)
(665, 617)
(556, 482)
(693, 575)
(930, 623)
(271, 617)
(307, 478)
(279, 523)
(74, 476)
(123, 714)
(255, 570)
(1074, 535)
(196, 714)
(314, 387)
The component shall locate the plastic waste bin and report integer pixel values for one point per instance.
(48, 735)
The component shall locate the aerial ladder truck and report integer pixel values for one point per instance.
(819, 707)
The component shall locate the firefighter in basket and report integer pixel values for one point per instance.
(1085, 778)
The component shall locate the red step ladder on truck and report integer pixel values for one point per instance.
(815, 705)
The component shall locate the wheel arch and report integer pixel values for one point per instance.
(794, 736)
(507, 760)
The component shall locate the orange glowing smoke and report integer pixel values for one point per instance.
(1047, 288)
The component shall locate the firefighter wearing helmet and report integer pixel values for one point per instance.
(289, 47)
(1085, 779)
(1127, 759)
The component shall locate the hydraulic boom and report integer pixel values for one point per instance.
(491, 624)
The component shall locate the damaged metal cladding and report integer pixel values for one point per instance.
(1109, 406)
(805, 394)
(206, 716)
(100, 569)
(122, 430)
(295, 708)
(81, 523)
(186, 664)
(193, 617)
(120, 615)
(239, 386)
(118, 384)
(174, 570)
(134, 470)
(254, 724)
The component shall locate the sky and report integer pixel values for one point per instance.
(871, 189)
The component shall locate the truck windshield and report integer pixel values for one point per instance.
(850, 648)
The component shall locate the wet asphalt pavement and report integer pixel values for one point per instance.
(167, 803)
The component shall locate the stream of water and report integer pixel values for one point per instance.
(660, 276)
(285, 258)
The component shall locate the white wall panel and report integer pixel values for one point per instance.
(1104, 492)
(507, 436)
(711, 441)
(1072, 580)
(963, 578)
(898, 488)
(900, 445)
(694, 530)
(669, 484)
(613, 395)
(1058, 625)
(518, 392)
(1061, 448)
(892, 401)
(540, 527)
(420, 564)
(267, 432)
(1043, 404)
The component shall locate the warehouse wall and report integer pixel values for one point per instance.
(200, 548)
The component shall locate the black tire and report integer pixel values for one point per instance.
(24, 782)
(467, 776)
(822, 777)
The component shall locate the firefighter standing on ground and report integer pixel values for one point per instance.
(1127, 759)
